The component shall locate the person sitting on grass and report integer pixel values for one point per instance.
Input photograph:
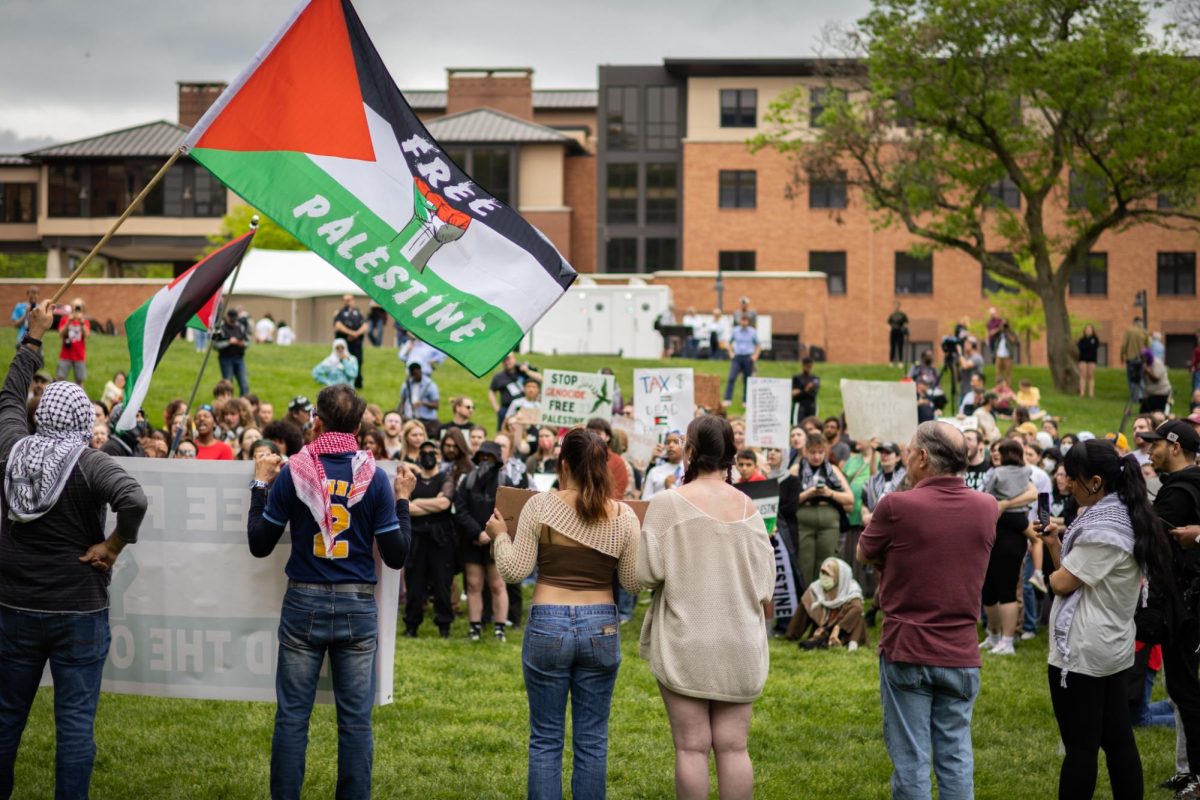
(337, 367)
(1029, 397)
(832, 609)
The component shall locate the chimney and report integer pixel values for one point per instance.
(508, 89)
(194, 99)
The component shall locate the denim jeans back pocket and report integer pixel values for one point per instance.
(904, 676)
(543, 649)
(606, 650)
(295, 626)
(90, 638)
(363, 628)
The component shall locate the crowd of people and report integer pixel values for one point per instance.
(1091, 536)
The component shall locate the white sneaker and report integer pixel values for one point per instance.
(990, 642)
(1026, 636)
(1038, 582)
(1003, 649)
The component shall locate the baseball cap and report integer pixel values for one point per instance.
(1178, 432)
(1119, 440)
(1028, 427)
(890, 447)
(300, 403)
(428, 443)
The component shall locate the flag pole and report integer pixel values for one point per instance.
(137, 201)
(217, 318)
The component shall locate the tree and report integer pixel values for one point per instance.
(950, 106)
(1019, 307)
(269, 236)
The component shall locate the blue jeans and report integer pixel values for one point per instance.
(927, 710)
(626, 602)
(76, 645)
(1159, 714)
(235, 367)
(743, 365)
(1028, 596)
(315, 622)
(576, 650)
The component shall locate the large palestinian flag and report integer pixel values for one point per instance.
(189, 301)
(316, 135)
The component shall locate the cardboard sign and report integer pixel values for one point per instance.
(768, 412)
(664, 398)
(572, 398)
(706, 390)
(639, 441)
(510, 502)
(884, 410)
(529, 417)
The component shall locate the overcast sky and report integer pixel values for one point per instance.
(75, 68)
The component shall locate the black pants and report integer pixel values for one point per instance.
(1004, 564)
(1153, 402)
(802, 409)
(1093, 714)
(1180, 663)
(896, 345)
(430, 565)
(355, 346)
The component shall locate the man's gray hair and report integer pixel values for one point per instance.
(946, 446)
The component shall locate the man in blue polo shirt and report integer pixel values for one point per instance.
(744, 349)
(339, 506)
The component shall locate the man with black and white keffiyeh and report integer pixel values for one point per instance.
(55, 561)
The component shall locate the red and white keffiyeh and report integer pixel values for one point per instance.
(308, 476)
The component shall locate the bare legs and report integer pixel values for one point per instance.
(1002, 618)
(699, 727)
(1087, 379)
(475, 576)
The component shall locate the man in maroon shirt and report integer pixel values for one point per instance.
(932, 545)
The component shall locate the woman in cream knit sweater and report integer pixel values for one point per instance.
(706, 555)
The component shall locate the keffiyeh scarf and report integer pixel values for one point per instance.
(39, 464)
(1107, 522)
(308, 476)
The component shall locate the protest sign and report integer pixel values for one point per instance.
(572, 398)
(765, 496)
(706, 389)
(640, 441)
(510, 502)
(768, 412)
(883, 410)
(664, 398)
(192, 613)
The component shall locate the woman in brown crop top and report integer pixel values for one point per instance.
(577, 537)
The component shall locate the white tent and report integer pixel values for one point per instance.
(290, 274)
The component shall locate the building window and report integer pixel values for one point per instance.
(736, 261)
(833, 264)
(622, 255)
(914, 274)
(106, 190)
(622, 123)
(1085, 190)
(621, 207)
(818, 101)
(1177, 273)
(1005, 190)
(662, 193)
(828, 192)
(18, 202)
(739, 108)
(67, 190)
(738, 188)
(661, 254)
(662, 118)
(491, 168)
(989, 284)
(1092, 278)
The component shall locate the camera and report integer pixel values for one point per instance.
(951, 344)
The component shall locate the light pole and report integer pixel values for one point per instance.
(720, 287)
(1140, 301)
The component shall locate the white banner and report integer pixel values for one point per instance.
(768, 412)
(192, 613)
(664, 397)
(786, 598)
(572, 398)
(884, 410)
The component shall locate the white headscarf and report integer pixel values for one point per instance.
(39, 464)
(333, 359)
(847, 588)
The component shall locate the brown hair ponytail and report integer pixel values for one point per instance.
(586, 458)
(710, 447)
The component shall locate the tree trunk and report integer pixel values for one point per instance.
(1063, 369)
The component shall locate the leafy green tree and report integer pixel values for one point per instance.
(269, 236)
(947, 106)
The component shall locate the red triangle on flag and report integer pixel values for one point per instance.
(304, 96)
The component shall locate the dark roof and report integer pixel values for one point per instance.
(546, 99)
(490, 125)
(13, 160)
(784, 67)
(151, 140)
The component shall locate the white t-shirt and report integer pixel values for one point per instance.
(285, 336)
(264, 329)
(1102, 632)
(656, 478)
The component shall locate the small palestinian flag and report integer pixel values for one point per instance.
(315, 134)
(189, 301)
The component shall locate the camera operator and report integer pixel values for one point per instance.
(508, 384)
(970, 362)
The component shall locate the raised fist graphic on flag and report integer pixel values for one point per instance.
(434, 223)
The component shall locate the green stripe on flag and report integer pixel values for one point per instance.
(135, 332)
(277, 183)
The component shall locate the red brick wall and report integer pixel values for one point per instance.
(104, 299)
(783, 231)
(512, 94)
(579, 194)
(556, 225)
(194, 100)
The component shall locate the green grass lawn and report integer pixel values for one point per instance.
(279, 373)
(458, 727)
